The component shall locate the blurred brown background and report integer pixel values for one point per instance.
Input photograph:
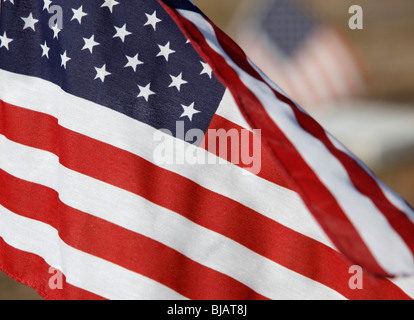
(386, 42)
(387, 45)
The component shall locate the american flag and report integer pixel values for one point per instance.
(311, 60)
(80, 191)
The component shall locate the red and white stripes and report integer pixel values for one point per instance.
(345, 199)
(80, 190)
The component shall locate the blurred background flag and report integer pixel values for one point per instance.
(310, 60)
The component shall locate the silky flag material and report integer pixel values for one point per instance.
(114, 183)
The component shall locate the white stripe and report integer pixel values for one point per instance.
(392, 197)
(406, 284)
(106, 125)
(82, 270)
(385, 244)
(229, 110)
(144, 217)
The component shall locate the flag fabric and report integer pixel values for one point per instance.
(311, 60)
(82, 194)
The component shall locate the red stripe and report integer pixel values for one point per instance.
(269, 169)
(316, 196)
(362, 181)
(33, 271)
(256, 232)
(118, 245)
(133, 251)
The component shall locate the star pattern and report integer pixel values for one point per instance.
(64, 59)
(133, 62)
(189, 111)
(5, 41)
(90, 43)
(152, 20)
(122, 32)
(56, 31)
(29, 22)
(78, 14)
(177, 81)
(88, 60)
(145, 92)
(45, 50)
(206, 69)
(101, 73)
(46, 4)
(165, 51)
(109, 4)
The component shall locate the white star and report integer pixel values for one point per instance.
(177, 81)
(64, 59)
(122, 33)
(29, 22)
(133, 62)
(5, 41)
(56, 31)
(189, 111)
(12, 1)
(90, 43)
(165, 51)
(46, 4)
(45, 49)
(145, 92)
(101, 73)
(110, 4)
(78, 14)
(152, 20)
(206, 69)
